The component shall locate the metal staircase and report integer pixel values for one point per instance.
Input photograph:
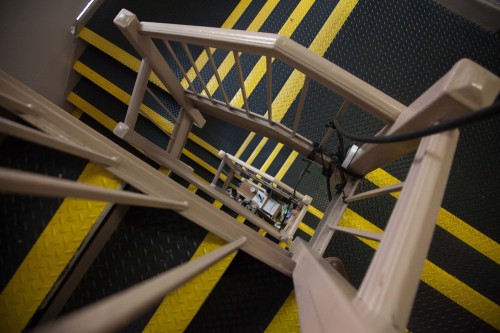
(202, 95)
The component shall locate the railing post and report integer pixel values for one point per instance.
(331, 218)
(140, 85)
(129, 25)
(180, 134)
(222, 155)
(390, 284)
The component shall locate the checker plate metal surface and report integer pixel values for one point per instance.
(51, 253)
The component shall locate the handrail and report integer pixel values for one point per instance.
(116, 311)
(22, 182)
(297, 56)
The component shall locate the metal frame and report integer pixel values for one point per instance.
(240, 168)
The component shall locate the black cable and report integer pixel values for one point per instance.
(327, 172)
(476, 116)
(304, 171)
(328, 189)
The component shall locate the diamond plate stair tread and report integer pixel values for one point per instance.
(304, 35)
(480, 271)
(146, 243)
(432, 312)
(440, 280)
(176, 310)
(278, 161)
(287, 318)
(244, 300)
(51, 252)
(194, 13)
(25, 217)
(124, 79)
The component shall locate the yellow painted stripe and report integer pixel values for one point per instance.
(438, 279)
(245, 144)
(121, 95)
(77, 113)
(305, 228)
(449, 222)
(260, 68)
(124, 97)
(288, 163)
(316, 212)
(272, 157)
(91, 111)
(287, 318)
(51, 253)
(117, 53)
(257, 150)
(228, 24)
(178, 309)
(280, 106)
(228, 61)
(320, 44)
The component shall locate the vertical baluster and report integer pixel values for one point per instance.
(178, 63)
(343, 108)
(161, 104)
(298, 114)
(217, 76)
(269, 85)
(138, 93)
(198, 74)
(242, 82)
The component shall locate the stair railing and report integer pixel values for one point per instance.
(384, 300)
(22, 182)
(55, 128)
(146, 36)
